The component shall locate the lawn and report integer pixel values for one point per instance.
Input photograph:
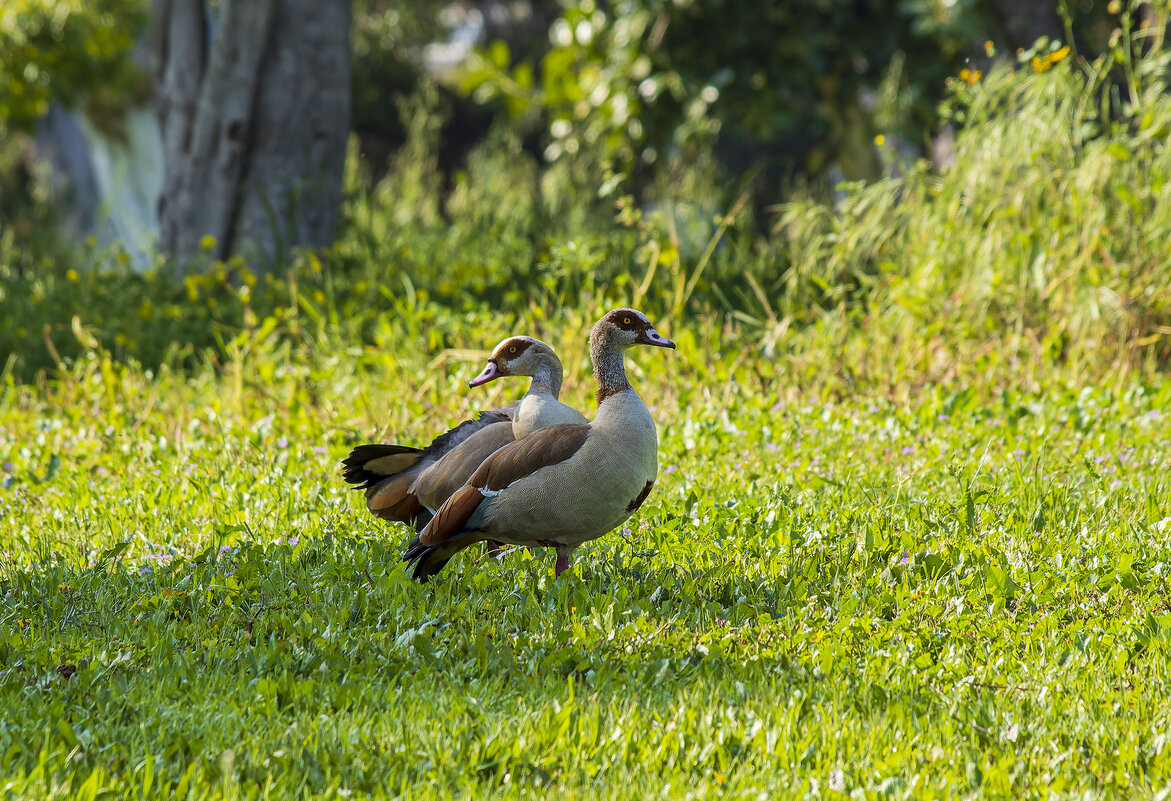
(948, 591)
(911, 536)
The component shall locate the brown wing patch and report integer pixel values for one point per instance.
(385, 496)
(637, 502)
(405, 510)
(439, 481)
(542, 448)
(450, 518)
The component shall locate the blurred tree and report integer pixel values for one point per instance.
(1026, 21)
(66, 52)
(640, 80)
(254, 102)
(57, 54)
(397, 45)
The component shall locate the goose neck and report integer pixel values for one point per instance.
(546, 380)
(609, 370)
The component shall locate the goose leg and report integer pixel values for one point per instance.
(563, 554)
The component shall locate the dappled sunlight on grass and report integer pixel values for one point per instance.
(948, 593)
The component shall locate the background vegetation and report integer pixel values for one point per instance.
(910, 537)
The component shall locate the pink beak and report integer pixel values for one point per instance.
(490, 373)
(650, 336)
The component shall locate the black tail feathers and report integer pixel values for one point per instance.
(360, 468)
(426, 560)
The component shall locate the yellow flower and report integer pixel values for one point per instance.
(1044, 63)
(247, 276)
(207, 242)
(72, 276)
(1114, 7)
(989, 49)
(970, 77)
(880, 140)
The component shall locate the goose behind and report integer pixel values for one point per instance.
(406, 484)
(566, 484)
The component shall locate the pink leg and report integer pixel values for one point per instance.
(563, 554)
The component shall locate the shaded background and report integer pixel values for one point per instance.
(534, 146)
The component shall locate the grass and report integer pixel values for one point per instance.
(911, 537)
(964, 593)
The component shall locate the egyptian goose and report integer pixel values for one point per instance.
(407, 484)
(561, 485)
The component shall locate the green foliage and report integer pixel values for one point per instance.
(1040, 244)
(71, 52)
(640, 78)
(30, 239)
(1043, 229)
(387, 42)
(63, 51)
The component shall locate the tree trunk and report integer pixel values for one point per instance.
(254, 130)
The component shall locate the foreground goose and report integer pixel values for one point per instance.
(408, 484)
(565, 484)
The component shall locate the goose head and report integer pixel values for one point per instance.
(518, 356)
(621, 329)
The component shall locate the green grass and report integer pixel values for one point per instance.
(963, 593)
(911, 537)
